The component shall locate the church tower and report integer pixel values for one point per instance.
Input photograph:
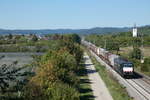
(134, 33)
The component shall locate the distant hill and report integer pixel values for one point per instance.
(144, 30)
(97, 30)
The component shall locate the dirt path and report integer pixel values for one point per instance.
(100, 91)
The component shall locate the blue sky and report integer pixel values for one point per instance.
(54, 14)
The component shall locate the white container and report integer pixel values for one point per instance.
(111, 58)
(98, 51)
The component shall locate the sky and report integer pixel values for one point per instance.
(74, 14)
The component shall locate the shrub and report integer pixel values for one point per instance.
(145, 66)
(33, 91)
(61, 91)
(64, 65)
(136, 53)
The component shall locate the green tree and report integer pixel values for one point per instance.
(136, 42)
(10, 36)
(136, 53)
(34, 38)
(145, 66)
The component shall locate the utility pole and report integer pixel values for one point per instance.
(142, 48)
(94, 42)
(105, 44)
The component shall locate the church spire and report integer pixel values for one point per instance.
(134, 33)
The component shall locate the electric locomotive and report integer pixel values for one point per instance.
(123, 67)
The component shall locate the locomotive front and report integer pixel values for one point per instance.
(128, 69)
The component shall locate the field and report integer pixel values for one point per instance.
(21, 58)
(126, 50)
(14, 61)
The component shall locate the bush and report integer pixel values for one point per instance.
(61, 91)
(145, 66)
(136, 53)
(33, 91)
(64, 65)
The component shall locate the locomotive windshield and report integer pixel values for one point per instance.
(128, 65)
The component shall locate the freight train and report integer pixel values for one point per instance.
(122, 66)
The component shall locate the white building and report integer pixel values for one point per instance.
(134, 33)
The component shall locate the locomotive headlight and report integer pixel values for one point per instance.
(127, 69)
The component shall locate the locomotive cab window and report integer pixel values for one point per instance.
(128, 65)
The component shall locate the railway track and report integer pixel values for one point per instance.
(139, 89)
(146, 80)
(146, 88)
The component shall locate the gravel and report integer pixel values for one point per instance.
(99, 88)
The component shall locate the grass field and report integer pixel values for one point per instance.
(21, 58)
(126, 50)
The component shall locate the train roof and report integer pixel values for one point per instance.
(122, 61)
